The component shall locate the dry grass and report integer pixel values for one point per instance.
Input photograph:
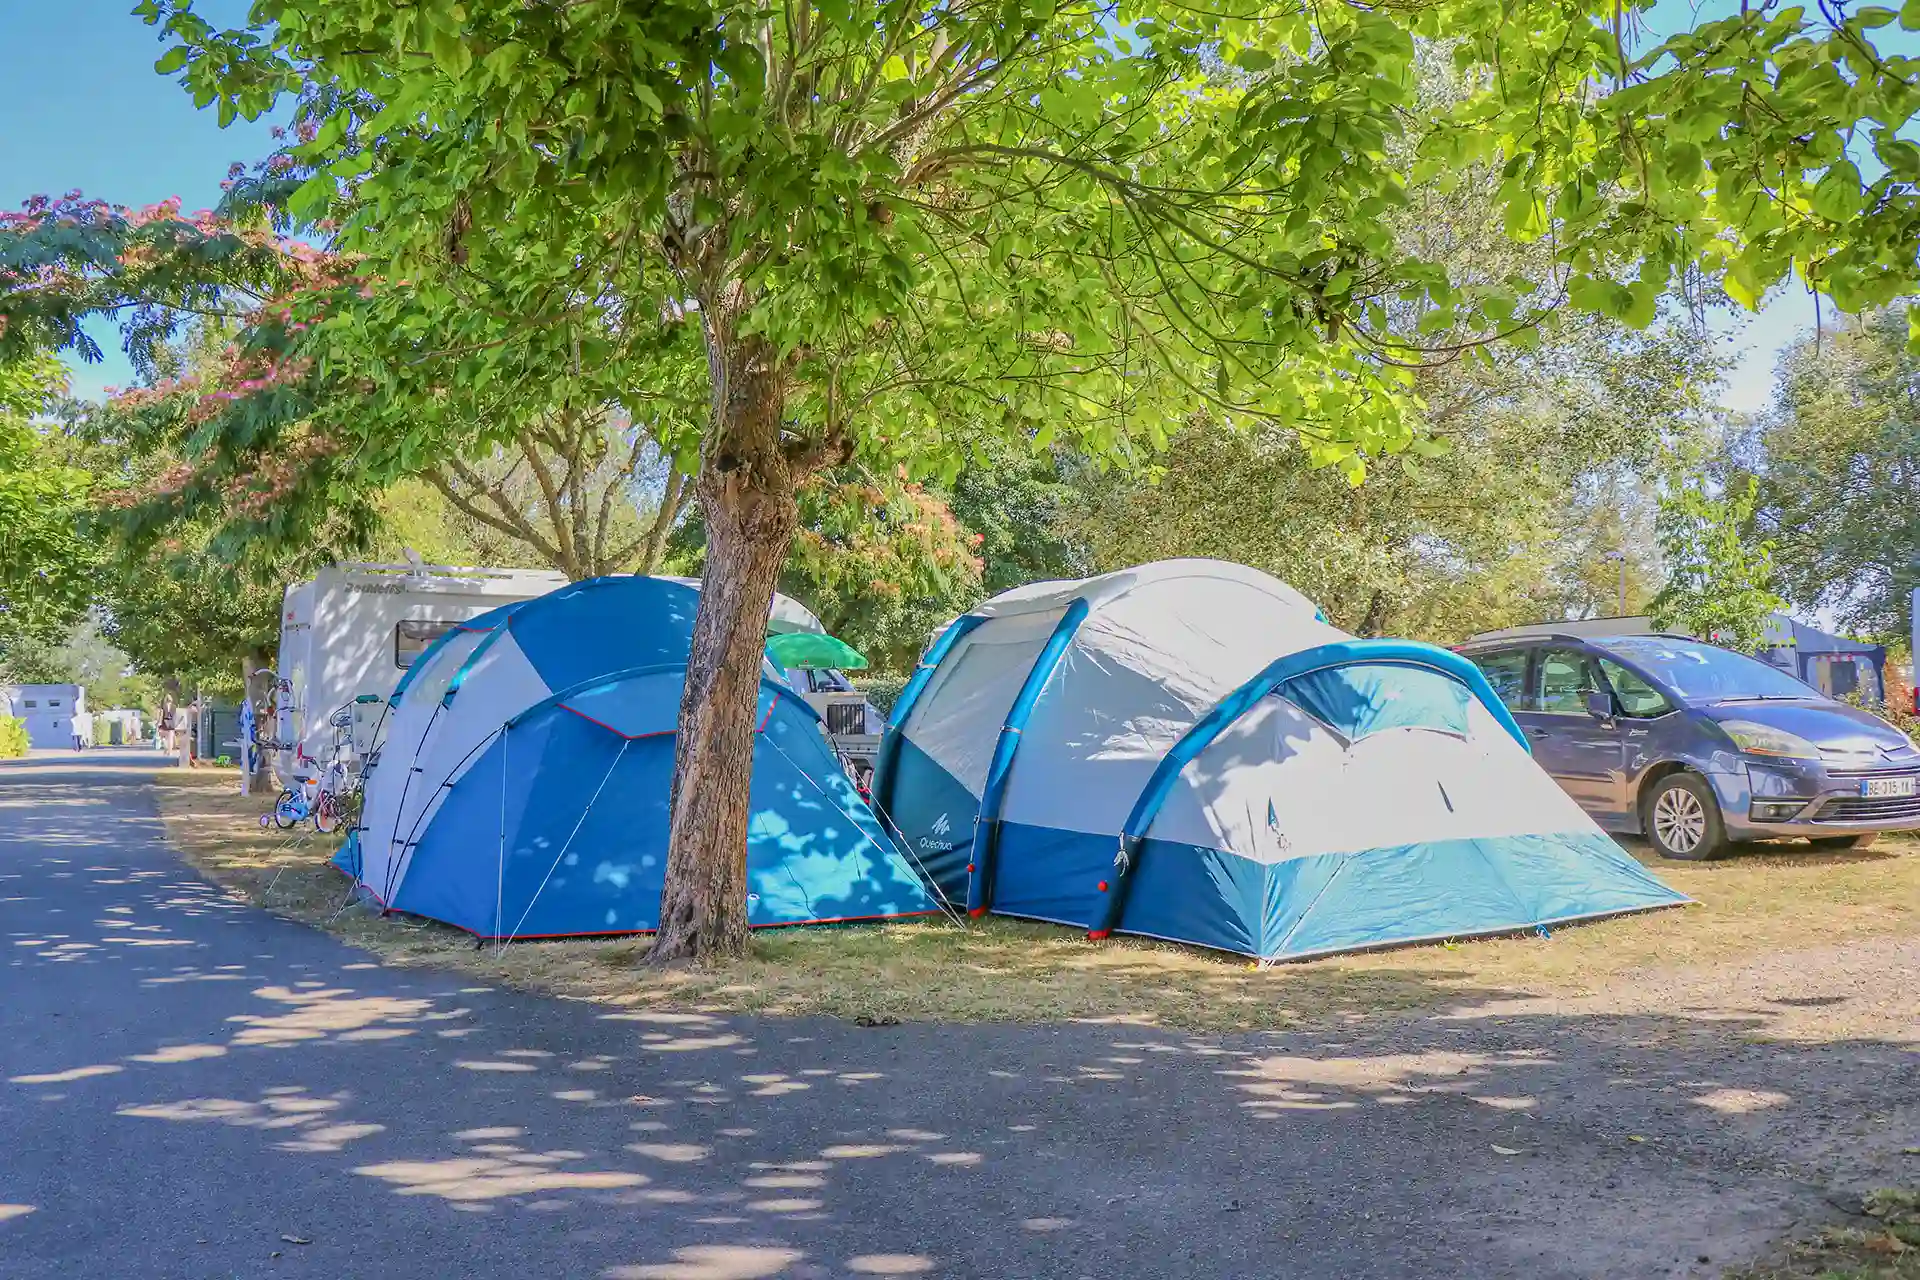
(1753, 905)
(1886, 1247)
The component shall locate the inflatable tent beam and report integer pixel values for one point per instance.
(1344, 653)
(986, 859)
(883, 766)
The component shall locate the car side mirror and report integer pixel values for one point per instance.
(1599, 704)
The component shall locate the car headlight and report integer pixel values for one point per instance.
(1765, 740)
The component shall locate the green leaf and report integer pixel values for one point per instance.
(172, 60)
(1837, 196)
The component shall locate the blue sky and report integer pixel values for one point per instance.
(81, 107)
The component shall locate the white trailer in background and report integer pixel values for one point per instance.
(49, 710)
(347, 636)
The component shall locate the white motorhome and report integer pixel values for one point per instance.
(347, 636)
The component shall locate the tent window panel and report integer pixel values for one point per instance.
(1367, 698)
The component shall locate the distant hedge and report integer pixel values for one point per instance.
(13, 737)
(880, 690)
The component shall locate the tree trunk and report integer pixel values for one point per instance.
(746, 488)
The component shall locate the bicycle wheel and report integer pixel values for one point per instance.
(286, 811)
(326, 818)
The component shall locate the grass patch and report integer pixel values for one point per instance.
(1887, 1248)
(1755, 904)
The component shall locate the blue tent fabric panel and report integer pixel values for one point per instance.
(1049, 874)
(1449, 888)
(929, 800)
(1568, 875)
(1368, 697)
(643, 704)
(586, 818)
(1330, 902)
(586, 630)
(1206, 897)
(348, 858)
(589, 855)
(790, 729)
(1209, 897)
(442, 877)
(814, 850)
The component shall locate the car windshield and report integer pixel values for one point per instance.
(1704, 673)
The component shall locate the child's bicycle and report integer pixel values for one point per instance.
(329, 802)
(330, 799)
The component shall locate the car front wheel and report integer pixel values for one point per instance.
(1682, 818)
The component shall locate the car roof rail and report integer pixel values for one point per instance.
(1526, 637)
(1654, 635)
(1529, 637)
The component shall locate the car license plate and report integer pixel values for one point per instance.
(1877, 788)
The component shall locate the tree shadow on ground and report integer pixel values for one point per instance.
(356, 1119)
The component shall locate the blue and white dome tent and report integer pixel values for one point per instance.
(1188, 751)
(523, 786)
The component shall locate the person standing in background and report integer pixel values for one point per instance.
(189, 716)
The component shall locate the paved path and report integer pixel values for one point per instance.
(193, 1088)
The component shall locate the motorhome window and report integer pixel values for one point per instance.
(53, 702)
(411, 638)
(32, 703)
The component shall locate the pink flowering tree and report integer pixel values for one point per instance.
(317, 382)
(150, 270)
(883, 562)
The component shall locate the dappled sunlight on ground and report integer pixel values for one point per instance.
(481, 1178)
(336, 1012)
(655, 1133)
(712, 1262)
(67, 1076)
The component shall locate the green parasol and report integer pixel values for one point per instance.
(811, 651)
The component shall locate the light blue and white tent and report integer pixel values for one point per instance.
(522, 786)
(1188, 751)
